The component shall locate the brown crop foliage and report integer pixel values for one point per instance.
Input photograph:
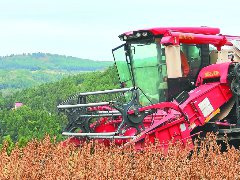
(47, 160)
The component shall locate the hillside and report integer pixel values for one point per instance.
(46, 61)
(29, 70)
(39, 115)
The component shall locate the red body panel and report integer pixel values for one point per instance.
(214, 95)
(214, 71)
(162, 30)
(194, 108)
(187, 35)
(191, 38)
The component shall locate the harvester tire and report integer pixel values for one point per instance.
(237, 71)
(235, 87)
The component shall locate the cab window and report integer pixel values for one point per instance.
(193, 56)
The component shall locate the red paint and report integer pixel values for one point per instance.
(191, 38)
(162, 30)
(221, 68)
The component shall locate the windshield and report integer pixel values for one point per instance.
(145, 70)
(123, 66)
(144, 66)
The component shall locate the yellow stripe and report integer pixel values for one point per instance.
(212, 115)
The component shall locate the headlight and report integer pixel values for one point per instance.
(138, 34)
(144, 34)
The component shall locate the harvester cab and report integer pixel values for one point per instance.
(160, 72)
(175, 83)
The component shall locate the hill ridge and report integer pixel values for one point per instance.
(32, 69)
(43, 61)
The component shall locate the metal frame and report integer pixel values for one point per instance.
(110, 135)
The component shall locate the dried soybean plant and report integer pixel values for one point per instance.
(49, 160)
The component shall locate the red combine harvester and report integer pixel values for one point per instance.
(176, 82)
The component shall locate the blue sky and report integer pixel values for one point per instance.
(90, 29)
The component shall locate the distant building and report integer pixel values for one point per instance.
(17, 105)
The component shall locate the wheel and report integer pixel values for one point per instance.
(237, 70)
(235, 86)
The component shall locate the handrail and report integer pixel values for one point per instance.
(106, 91)
(67, 106)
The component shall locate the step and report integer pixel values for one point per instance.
(228, 131)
